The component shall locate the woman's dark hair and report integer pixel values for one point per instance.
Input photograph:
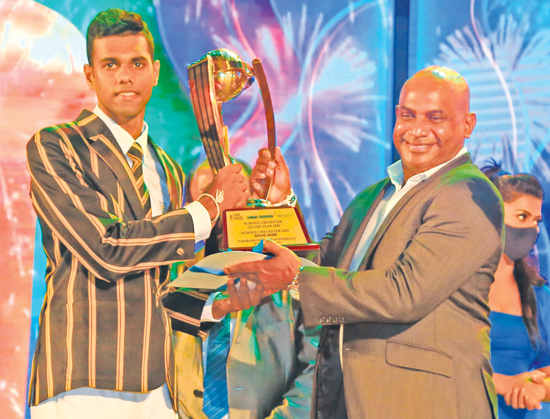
(511, 187)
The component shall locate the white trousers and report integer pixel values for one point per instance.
(91, 403)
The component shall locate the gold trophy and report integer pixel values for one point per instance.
(218, 77)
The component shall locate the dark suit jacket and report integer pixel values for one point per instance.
(269, 369)
(270, 364)
(102, 323)
(416, 329)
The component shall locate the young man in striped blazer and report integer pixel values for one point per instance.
(109, 202)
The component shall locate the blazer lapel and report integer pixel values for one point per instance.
(403, 201)
(104, 143)
(243, 332)
(244, 325)
(370, 201)
(243, 319)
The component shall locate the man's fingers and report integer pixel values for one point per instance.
(281, 163)
(538, 377)
(231, 288)
(244, 295)
(264, 163)
(273, 247)
(234, 168)
(264, 168)
(235, 269)
(532, 404)
(516, 395)
(258, 293)
(230, 169)
(240, 180)
(513, 397)
(264, 152)
(233, 293)
(259, 176)
(230, 273)
(274, 273)
(244, 268)
(521, 399)
(249, 276)
(510, 401)
(508, 398)
(527, 404)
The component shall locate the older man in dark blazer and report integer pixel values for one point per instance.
(109, 202)
(270, 358)
(402, 294)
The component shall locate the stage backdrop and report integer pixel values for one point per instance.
(502, 48)
(330, 68)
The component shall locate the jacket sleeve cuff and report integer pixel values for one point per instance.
(185, 310)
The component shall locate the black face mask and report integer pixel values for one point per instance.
(519, 241)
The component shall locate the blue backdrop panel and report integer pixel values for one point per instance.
(501, 47)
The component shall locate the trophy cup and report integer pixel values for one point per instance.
(218, 77)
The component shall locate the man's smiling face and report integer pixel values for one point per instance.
(432, 122)
(122, 74)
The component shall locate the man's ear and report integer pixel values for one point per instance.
(469, 124)
(156, 70)
(89, 74)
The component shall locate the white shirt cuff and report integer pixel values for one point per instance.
(207, 309)
(201, 220)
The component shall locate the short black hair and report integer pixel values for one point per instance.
(119, 22)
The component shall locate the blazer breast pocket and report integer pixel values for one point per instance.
(421, 358)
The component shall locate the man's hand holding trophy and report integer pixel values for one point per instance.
(271, 213)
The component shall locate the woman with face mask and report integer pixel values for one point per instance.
(520, 303)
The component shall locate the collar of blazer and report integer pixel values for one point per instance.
(107, 148)
(431, 181)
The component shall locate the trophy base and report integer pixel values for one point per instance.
(245, 228)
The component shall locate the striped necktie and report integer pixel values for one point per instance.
(215, 404)
(136, 155)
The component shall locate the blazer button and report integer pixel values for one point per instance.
(198, 393)
(321, 319)
(179, 251)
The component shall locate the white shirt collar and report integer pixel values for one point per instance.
(123, 138)
(395, 171)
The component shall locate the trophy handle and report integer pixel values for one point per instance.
(268, 105)
(207, 112)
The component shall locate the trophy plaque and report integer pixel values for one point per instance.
(218, 77)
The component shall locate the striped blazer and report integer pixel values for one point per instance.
(102, 322)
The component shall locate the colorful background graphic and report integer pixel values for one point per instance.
(328, 65)
(331, 67)
(502, 47)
